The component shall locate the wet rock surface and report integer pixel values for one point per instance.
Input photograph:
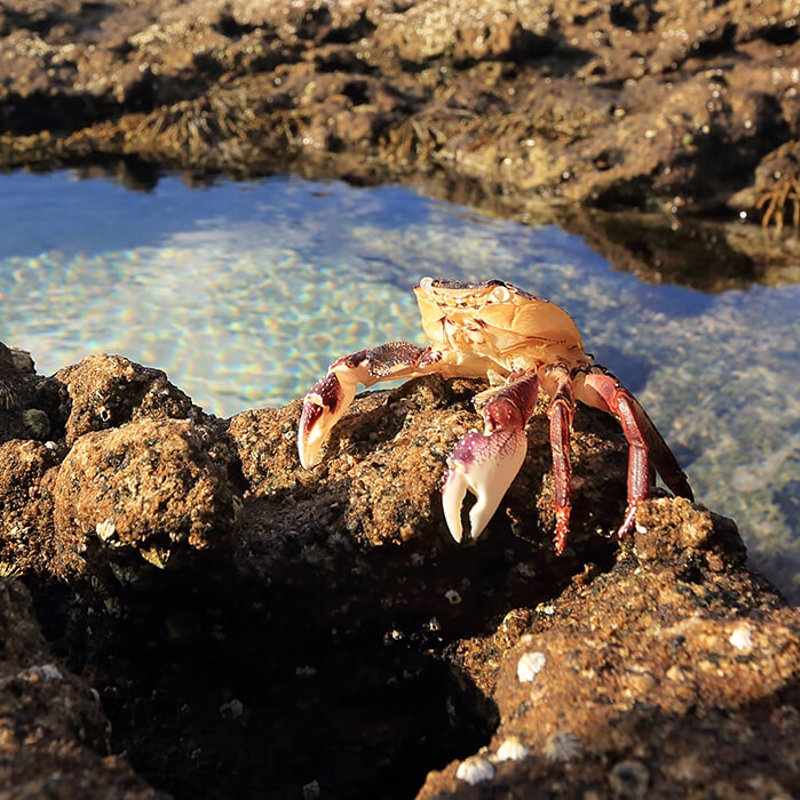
(319, 634)
(681, 106)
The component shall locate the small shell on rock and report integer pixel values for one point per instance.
(105, 529)
(530, 665)
(233, 709)
(512, 749)
(45, 672)
(311, 791)
(475, 769)
(562, 746)
(742, 638)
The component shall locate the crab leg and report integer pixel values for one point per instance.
(560, 413)
(602, 390)
(487, 463)
(330, 397)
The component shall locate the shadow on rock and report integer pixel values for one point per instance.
(257, 630)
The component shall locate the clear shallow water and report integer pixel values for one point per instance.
(244, 293)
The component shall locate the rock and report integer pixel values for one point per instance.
(293, 600)
(54, 736)
(103, 391)
(18, 382)
(27, 475)
(133, 466)
(380, 479)
(675, 673)
(156, 486)
(676, 106)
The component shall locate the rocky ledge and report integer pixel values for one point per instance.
(682, 105)
(185, 611)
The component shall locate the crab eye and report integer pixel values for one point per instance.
(500, 294)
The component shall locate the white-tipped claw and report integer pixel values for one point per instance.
(486, 464)
(323, 406)
(454, 490)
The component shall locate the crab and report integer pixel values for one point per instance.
(523, 345)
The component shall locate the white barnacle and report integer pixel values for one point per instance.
(475, 769)
(105, 529)
(530, 665)
(742, 638)
(562, 746)
(233, 709)
(512, 749)
(311, 790)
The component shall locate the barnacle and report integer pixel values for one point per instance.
(562, 746)
(475, 769)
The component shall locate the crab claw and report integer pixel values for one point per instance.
(486, 465)
(322, 408)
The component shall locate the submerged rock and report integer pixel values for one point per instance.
(256, 629)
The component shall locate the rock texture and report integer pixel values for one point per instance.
(54, 737)
(684, 105)
(618, 688)
(252, 629)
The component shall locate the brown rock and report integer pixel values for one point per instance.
(672, 105)
(380, 479)
(27, 476)
(157, 486)
(658, 667)
(670, 675)
(53, 734)
(104, 391)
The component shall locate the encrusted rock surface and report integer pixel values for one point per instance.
(639, 101)
(54, 737)
(674, 674)
(318, 633)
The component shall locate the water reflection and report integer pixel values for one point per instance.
(244, 293)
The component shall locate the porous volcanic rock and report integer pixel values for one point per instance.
(156, 486)
(673, 104)
(322, 633)
(380, 479)
(27, 475)
(53, 733)
(673, 674)
(129, 463)
(102, 391)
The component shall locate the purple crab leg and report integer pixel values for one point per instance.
(560, 412)
(487, 463)
(646, 446)
(330, 397)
